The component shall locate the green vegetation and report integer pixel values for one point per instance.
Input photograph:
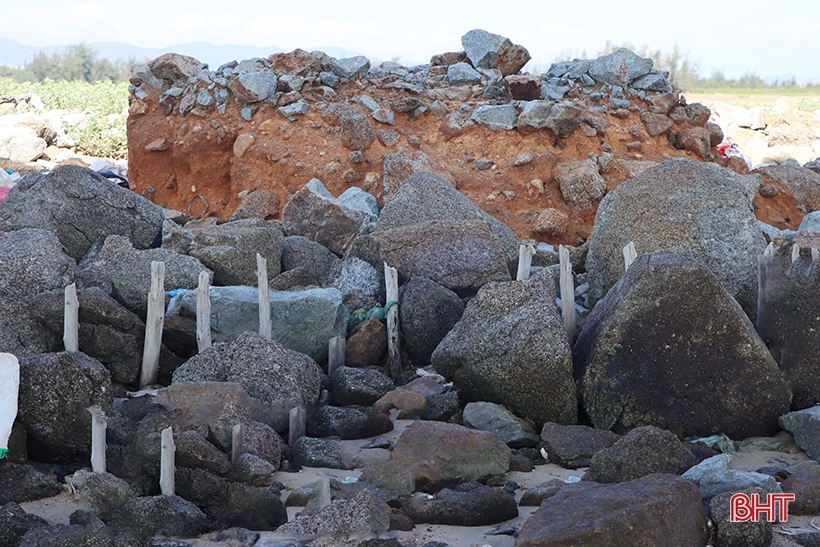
(102, 132)
(75, 63)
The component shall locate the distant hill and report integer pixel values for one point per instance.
(15, 54)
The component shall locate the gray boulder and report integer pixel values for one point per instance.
(55, 391)
(22, 483)
(20, 332)
(631, 374)
(359, 386)
(510, 347)
(301, 321)
(356, 132)
(253, 87)
(315, 258)
(480, 506)
(315, 452)
(103, 492)
(498, 118)
(258, 204)
(560, 120)
(805, 426)
(653, 510)
(230, 249)
(364, 515)
(428, 311)
(352, 422)
(486, 50)
(460, 255)
(354, 277)
(166, 515)
(82, 208)
(752, 533)
(580, 183)
(509, 428)
(32, 261)
(641, 452)
(695, 206)
(572, 446)
(15, 522)
(463, 73)
(715, 476)
(314, 213)
(126, 272)
(400, 165)
(279, 377)
(350, 67)
(619, 68)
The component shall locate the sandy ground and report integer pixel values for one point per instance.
(58, 509)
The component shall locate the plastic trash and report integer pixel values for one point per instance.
(9, 388)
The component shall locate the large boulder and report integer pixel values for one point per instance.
(55, 391)
(646, 354)
(126, 272)
(302, 321)
(715, 476)
(654, 510)
(789, 321)
(480, 506)
(692, 206)
(22, 483)
(363, 515)
(230, 250)
(20, 332)
(82, 208)
(487, 50)
(166, 515)
(313, 212)
(433, 455)
(619, 68)
(510, 347)
(509, 428)
(427, 312)
(279, 377)
(315, 258)
(32, 260)
(573, 446)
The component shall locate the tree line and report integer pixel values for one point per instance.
(74, 63)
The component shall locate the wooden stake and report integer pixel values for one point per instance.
(203, 313)
(153, 325)
(630, 254)
(237, 442)
(815, 254)
(795, 252)
(98, 427)
(567, 293)
(71, 324)
(167, 468)
(335, 354)
(525, 254)
(296, 427)
(264, 296)
(323, 492)
(391, 280)
(765, 267)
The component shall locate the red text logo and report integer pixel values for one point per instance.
(744, 508)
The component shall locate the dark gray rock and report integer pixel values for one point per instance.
(263, 442)
(399, 166)
(480, 506)
(301, 321)
(350, 67)
(510, 347)
(254, 87)
(641, 452)
(619, 68)
(572, 446)
(805, 426)
(22, 483)
(21, 333)
(33, 261)
(352, 422)
(753, 533)
(193, 450)
(230, 249)
(80, 535)
(560, 119)
(535, 496)
(55, 391)
(126, 272)
(103, 492)
(486, 50)
(258, 204)
(652, 510)
(496, 118)
(252, 470)
(315, 258)
(357, 133)
(357, 386)
(651, 82)
(161, 515)
(463, 73)
(640, 356)
(313, 452)
(279, 377)
(714, 476)
(15, 522)
(442, 406)
(580, 183)
(427, 312)
(805, 486)
(82, 208)
(695, 206)
(354, 277)
(509, 428)
(364, 515)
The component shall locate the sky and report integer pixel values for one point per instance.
(768, 38)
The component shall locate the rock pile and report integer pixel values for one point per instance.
(666, 349)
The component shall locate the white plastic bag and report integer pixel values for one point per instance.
(9, 388)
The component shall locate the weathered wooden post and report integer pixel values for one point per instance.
(323, 492)
(630, 254)
(237, 442)
(795, 252)
(296, 425)
(765, 267)
(525, 254)
(264, 296)
(166, 469)
(98, 428)
(153, 325)
(815, 254)
(203, 313)
(335, 354)
(391, 280)
(567, 292)
(71, 323)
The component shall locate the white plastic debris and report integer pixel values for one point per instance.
(9, 388)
